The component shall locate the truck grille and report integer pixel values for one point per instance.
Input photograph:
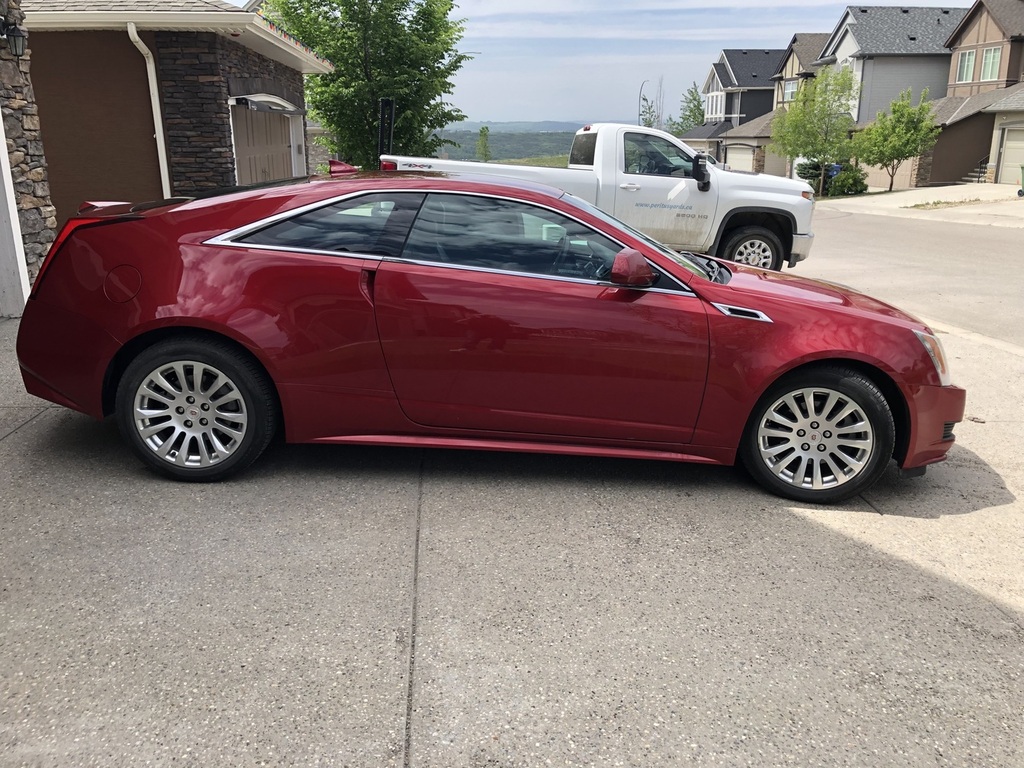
(947, 430)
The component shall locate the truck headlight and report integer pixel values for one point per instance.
(937, 354)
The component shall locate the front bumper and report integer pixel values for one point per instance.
(801, 248)
(935, 411)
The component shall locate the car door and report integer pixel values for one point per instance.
(497, 319)
(316, 264)
(656, 193)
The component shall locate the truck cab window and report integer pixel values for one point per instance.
(654, 156)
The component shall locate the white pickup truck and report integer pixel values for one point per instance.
(660, 186)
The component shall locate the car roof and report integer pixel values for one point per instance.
(305, 191)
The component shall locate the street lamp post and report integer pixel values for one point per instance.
(640, 103)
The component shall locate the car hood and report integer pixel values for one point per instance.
(748, 286)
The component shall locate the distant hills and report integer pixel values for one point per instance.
(543, 126)
(512, 140)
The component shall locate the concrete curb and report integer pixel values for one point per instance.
(983, 204)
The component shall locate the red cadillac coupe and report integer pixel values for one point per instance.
(469, 313)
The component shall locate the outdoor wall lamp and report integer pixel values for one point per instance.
(16, 38)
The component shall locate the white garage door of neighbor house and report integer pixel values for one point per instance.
(740, 158)
(1013, 157)
(262, 145)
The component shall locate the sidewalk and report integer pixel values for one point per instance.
(992, 204)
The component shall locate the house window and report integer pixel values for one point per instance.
(789, 90)
(715, 108)
(965, 67)
(990, 63)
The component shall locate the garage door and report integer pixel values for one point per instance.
(740, 158)
(262, 145)
(1013, 157)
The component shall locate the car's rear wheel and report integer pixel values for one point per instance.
(755, 247)
(196, 409)
(821, 436)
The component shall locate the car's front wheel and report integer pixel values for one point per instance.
(755, 247)
(821, 436)
(196, 409)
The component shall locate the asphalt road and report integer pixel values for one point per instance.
(376, 607)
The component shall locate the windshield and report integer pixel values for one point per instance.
(685, 260)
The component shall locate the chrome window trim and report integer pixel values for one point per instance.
(302, 251)
(229, 239)
(685, 291)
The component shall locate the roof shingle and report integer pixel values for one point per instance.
(753, 68)
(896, 31)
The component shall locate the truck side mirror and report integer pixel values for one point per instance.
(700, 173)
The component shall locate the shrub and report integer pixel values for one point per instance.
(851, 180)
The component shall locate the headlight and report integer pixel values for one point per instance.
(808, 194)
(937, 354)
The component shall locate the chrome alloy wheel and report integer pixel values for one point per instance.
(755, 253)
(815, 438)
(190, 414)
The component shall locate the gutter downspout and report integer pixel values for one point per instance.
(154, 99)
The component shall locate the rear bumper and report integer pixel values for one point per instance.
(63, 357)
(935, 411)
(801, 248)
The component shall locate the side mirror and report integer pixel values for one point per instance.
(630, 269)
(700, 173)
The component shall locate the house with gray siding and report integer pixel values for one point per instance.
(738, 89)
(890, 49)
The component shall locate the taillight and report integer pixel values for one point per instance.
(388, 165)
(71, 226)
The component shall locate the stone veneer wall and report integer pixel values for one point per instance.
(195, 71)
(922, 174)
(25, 148)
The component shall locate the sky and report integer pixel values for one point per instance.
(587, 60)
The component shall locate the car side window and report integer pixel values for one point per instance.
(491, 233)
(369, 224)
(655, 156)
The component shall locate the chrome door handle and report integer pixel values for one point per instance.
(630, 187)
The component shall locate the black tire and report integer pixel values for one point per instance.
(755, 247)
(196, 409)
(821, 435)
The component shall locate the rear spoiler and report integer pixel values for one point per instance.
(339, 168)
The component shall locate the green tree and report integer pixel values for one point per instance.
(818, 123)
(400, 49)
(905, 132)
(691, 111)
(483, 147)
(648, 113)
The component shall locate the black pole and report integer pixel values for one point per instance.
(386, 132)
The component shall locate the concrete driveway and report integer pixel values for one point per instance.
(379, 607)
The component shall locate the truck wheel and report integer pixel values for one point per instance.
(755, 247)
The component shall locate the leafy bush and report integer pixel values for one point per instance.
(851, 180)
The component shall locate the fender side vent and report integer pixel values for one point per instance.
(743, 313)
